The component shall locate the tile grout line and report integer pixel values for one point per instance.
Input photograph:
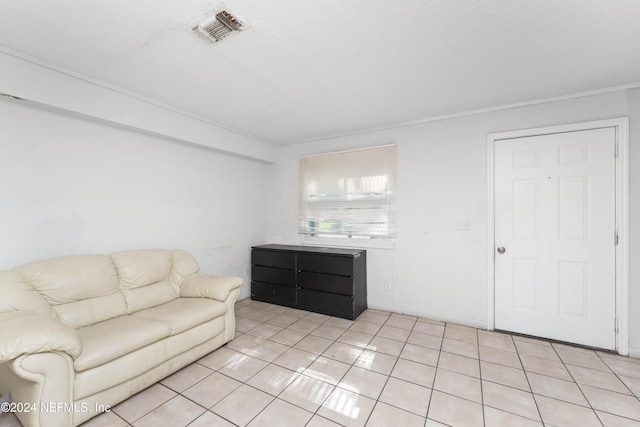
(533, 396)
(436, 374)
(482, 405)
(270, 363)
(440, 352)
(577, 384)
(603, 360)
(315, 413)
(332, 341)
(625, 384)
(297, 376)
(572, 381)
(338, 382)
(389, 377)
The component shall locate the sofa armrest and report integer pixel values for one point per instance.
(27, 333)
(202, 285)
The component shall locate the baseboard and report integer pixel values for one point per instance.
(441, 317)
(634, 352)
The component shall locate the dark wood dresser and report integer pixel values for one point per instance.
(331, 281)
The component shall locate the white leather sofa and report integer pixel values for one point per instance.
(81, 333)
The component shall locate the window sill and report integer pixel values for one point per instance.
(387, 244)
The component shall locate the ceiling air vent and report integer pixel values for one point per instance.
(219, 26)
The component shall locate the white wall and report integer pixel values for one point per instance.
(50, 87)
(633, 101)
(436, 271)
(75, 180)
(70, 186)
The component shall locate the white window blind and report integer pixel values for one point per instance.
(349, 193)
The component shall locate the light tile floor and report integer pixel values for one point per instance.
(288, 367)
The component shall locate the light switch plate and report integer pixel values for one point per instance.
(463, 224)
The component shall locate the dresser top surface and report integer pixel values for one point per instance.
(312, 249)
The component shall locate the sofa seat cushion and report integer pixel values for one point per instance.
(184, 313)
(108, 340)
(130, 366)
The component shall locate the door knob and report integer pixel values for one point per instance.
(501, 250)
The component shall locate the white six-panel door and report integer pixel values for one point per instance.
(555, 220)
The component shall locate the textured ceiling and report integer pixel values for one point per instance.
(309, 69)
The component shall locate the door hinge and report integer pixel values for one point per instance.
(616, 239)
(615, 149)
(615, 325)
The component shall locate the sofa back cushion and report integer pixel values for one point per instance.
(18, 295)
(141, 268)
(82, 289)
(151, 277)
(184, 265)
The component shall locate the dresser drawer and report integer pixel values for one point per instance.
(278, 276)
(261, 291)
(341, 265)
(273, 293)
(332, 304)
(269, 258)
(326, 282)
(284, 295)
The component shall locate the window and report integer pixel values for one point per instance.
(349, 194)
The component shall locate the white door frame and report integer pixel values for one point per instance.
(622, 216)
